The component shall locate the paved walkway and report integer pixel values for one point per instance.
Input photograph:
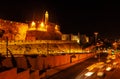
(55, 70)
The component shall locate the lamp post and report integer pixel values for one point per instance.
(96, 37)
(96, 34)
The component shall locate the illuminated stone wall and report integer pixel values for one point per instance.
(38, 31)
(40, 47)
(71, 37)
(40, 63)
(21, 31)
(13, 30)
(41, 35)
(65, 36)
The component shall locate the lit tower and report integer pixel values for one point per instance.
(46, 17)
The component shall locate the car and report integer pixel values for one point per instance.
(89, 73)
(108, 68)
(115, 63)
(100, 73)
(113, 57)
(101, 66)
(108, 61)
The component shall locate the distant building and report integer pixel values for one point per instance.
(71, 37)
(84, 39)
(66, 37)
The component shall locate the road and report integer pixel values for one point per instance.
(72, 72)
(112, 74)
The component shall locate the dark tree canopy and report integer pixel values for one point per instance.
(1, 33)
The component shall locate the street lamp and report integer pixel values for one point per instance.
(96, 37)
(96, 34)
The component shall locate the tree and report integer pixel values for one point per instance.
(1, 33)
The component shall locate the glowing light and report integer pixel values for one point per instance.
(56, 27)
(78, 41)
(46, 17)
(33, 23)
(89, 73)
(115, 63)
(108, 68)
(100, 73)
(87, 39)
(96, 33)
(32, 27)
(42, 27)
(46, 14)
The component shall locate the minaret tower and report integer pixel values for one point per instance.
(46, 17)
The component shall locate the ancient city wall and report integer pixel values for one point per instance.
(13, 30)
(39, 47)
(38, 64)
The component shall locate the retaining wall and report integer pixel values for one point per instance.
(39, 63)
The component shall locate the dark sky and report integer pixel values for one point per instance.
(73, 16)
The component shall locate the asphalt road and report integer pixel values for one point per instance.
(114, 73)
(73, 71)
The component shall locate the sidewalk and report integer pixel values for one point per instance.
(55, 70)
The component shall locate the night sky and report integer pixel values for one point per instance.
(85, 17)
